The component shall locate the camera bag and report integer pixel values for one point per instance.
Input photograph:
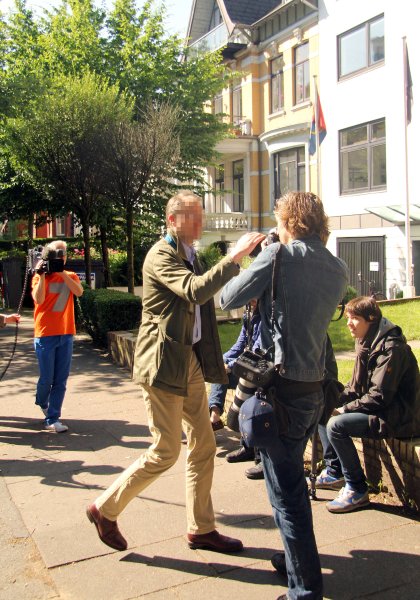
(259, 421)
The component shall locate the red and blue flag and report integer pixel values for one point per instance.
(322, 129)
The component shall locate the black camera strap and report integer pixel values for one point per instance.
(248, 317)
(276, 268)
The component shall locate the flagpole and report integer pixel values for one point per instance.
(409, 290)
(318, 183)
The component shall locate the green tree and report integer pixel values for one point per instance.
(140, 156)
(130, 48)
(60, 143)
(20, 78)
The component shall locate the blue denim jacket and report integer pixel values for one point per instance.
(310, 284)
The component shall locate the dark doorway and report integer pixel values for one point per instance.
(365, 258)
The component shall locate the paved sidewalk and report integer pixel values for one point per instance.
(48, 549)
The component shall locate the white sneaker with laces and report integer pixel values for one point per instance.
(348, 500)
(58, 427)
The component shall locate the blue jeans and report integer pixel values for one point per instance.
(54, 354)
(288, 494)
(218, 392)
(340, 430)
(332, 462)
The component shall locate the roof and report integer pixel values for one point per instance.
(246, 12)
(234, 12)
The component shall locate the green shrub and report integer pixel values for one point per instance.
(351, 293)
(210, 256)
(105, 310)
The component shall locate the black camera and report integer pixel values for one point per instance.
(52, 260)
(272, 237)
(255, 367)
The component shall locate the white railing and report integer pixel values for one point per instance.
(226, 221)
(213, 40)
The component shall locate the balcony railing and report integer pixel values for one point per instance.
(233, 221)
(213, 40)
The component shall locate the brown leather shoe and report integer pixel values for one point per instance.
(107, 530)
(214, 541)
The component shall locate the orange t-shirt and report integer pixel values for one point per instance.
(55, 316)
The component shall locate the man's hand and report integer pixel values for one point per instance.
(337, 411)
(245, 245)
(15, 318)
(74, 286)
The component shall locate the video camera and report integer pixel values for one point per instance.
(52, 260)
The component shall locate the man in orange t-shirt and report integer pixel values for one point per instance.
(54, 330)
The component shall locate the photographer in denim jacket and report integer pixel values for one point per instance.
(310, 284)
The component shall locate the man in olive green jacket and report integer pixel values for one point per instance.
(177, 349)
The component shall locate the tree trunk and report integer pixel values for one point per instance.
(130, 249)
(105, 255)
(86, 241)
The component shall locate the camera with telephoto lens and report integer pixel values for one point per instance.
(255, 367)
(52, 260)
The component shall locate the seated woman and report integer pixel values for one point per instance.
(382, 399)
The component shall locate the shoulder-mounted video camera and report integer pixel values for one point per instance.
(52, 260)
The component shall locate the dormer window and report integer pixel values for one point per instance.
(216, 17)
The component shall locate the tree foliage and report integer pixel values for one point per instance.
(60, 144)
(129, 52)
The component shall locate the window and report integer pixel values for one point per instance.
(363, 157)
(219, 186)
(236, 102)
(238, 186)
(216, 17)
(302, 84)
(218, 104)
(362, 47)
(277, 84)
(60, 226)
(289, 171)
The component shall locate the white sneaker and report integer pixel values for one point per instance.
(58, 427)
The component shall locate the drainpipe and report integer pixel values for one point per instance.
(260, 200)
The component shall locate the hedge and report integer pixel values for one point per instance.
(105, 310)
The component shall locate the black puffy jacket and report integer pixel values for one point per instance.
(393, 386)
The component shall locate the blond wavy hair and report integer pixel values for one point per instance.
(302, 214)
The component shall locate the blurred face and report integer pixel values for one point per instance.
(188, 223)
(358, 326)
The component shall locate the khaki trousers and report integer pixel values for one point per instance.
(168, 414)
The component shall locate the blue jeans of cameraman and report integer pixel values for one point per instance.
(54, 353)
(218, 392)
(288, 494)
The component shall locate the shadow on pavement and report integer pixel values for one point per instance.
(345, 577)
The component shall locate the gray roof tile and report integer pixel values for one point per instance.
(247, 12)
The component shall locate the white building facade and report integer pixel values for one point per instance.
(368, 158)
